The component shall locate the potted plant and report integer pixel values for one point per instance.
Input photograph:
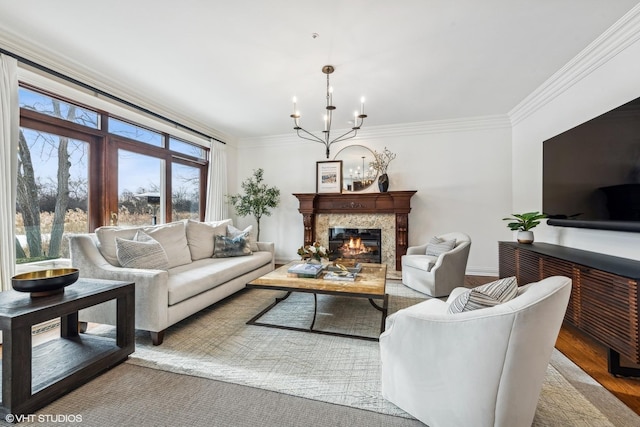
(257, 200)
(523, 223)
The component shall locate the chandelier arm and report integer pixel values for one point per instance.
(344, 136)
(313, 137)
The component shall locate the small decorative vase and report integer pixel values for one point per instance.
(525, 237)
(383, 183)
(313, 261)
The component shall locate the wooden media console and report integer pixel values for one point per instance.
(604, 294)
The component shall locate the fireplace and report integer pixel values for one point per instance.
(388, 211)
(359, 244)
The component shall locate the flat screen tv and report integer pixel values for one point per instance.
(591, 173)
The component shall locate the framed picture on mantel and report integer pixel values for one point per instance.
(329, 176)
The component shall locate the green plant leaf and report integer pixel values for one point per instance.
(525, 221)
(258, 199)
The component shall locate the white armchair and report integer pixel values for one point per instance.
(477, 368)
(436, 276)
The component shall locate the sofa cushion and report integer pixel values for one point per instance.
(173, 238)
(107, 241)
(187, 281)
(225, 247)
(485, 296)
(200, 236)
(421, 262)
(141, 252)
(233, 232)
(437, 246)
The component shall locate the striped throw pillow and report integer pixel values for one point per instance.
(485, 296)
(437, 246)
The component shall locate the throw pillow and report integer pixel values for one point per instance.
(141, 252)
(200, 237)
(225, 247)
(107, 241)
(173, 238)
(437, 246)
(233, 232)
(485, 296)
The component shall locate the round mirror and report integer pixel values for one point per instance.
(357, 175)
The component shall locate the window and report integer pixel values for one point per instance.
(52, 198)
(138, 133)
(185, 192)
(53, 107)
(186, 148)
(140, 198)
(76, 175)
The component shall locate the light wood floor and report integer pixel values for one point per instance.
(589, 355)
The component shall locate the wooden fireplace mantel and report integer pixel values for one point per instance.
(395, 202)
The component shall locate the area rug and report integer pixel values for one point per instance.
(217, 344)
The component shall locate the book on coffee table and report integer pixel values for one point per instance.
(344, 276)
(304, 270)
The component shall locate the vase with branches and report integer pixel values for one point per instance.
(380, 163)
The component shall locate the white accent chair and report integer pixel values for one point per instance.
(477, 368)
(436, 276)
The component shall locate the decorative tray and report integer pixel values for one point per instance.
(353, 269)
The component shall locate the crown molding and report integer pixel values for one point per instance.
(621, 35)
(71, 68)
(468, 124)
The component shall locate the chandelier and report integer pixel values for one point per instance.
(358, 119)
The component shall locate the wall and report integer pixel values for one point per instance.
(461, 170)
(601, 78)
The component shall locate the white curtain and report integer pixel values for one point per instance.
(216, 208)
(9, 130)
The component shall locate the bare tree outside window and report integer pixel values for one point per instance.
(46, 163)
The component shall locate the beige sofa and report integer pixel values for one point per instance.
(190, 276)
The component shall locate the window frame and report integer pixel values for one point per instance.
(103, 156)
(27, 120)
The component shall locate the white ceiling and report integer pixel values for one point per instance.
(235, 65)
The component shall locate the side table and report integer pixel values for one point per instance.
(33, 377)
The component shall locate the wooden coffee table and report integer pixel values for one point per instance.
(370, 284)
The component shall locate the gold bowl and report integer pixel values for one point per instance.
(45, 282)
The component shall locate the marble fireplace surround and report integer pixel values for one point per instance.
(388, 211)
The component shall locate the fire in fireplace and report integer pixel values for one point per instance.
(359, 244)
